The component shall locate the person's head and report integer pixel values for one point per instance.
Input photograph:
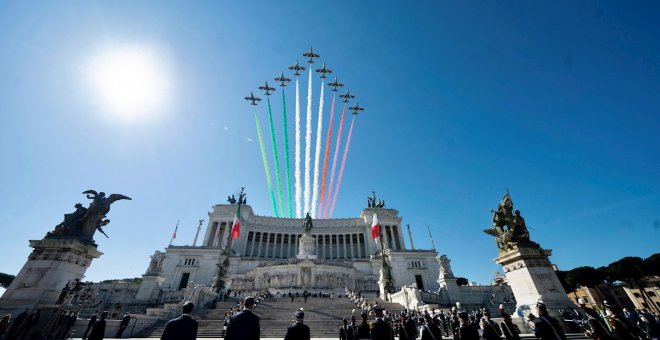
(463, 317)
(188, 307)
(378, 310)
(487, 314)
(353, 319)
(299, 315)
(104, 315)
(482, 323)
(363, 315)
(248, 303)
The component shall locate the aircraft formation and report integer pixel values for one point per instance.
(319, 198)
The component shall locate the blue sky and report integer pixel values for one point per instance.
(556, 101)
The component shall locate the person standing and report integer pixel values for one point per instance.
(430, 330)
(621, 329)
(408, 329)
(298, 331)
(4, 324)
(597, 328)
(465, 331)
(381, 330)
(364, 332)
(353, 329)
(511, 331)
(343, 330)
(91, 323)
(98, 330)
(124, 323)
(545, 326)
(244, 325)
(182, 327)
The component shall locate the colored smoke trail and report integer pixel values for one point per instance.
(308, 142)
(265, 160)
(317, 155)
(334, 163)
(328, 142)
(278, 177)
(343, 163)
(297, 154)
(286, 158)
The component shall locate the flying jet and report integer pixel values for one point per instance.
(347, 96)
(267, 89)
(311, 55)
(335, 85)
(296, 68)
(253, 99)
(282, 79)
(323, 71)
(356, 109)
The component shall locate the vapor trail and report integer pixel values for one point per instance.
(286, 157)
(343, 163)
(317, 155)
(308, 142)
(265, 160)
(278, 177)
(297, 156)
(334, 163)
(328, 142)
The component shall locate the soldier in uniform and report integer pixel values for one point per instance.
(545, 326)
(381, 330)
(621, 328)
(465, 331)
(298, 331)
(363, 330)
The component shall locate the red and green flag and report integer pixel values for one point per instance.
(236, 226)
(375, 228)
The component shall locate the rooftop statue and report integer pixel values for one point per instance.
(509, 227)
(83, 222)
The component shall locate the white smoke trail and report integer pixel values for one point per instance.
(308, 142)
(297, 152)
(326, 208)
(317, 155)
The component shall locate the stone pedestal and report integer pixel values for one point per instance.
(307, 247)
(532, 278)
(52, 264)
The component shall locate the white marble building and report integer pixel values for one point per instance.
(265, 255)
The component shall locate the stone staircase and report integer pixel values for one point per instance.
(322, 315)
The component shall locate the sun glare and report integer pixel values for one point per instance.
(130, 83)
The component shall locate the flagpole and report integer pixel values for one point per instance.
(220, 280)
(174, 235)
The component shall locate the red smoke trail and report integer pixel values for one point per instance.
(343, 163)
(334, 163)
(328, 142)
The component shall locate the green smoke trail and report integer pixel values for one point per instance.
(286, 157)
(265, 160)
(278, 178)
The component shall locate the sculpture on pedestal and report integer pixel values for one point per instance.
(509, 227)
(83, 223)
(307, 225)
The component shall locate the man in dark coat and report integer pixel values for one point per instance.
(98, 330)
(545, 326)
(364, 331)
(90, 324)
(183, 327)
(621, 329)
(509, 330)
(430, 331)
(465, 331)
(298, 331)
(381, 330)
(125, 320)
(244, 325)
(353, 329)
(408, 328)
(343, 330)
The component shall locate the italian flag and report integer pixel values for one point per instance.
(375, 228)
(236, 226)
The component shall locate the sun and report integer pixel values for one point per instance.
(130, 83)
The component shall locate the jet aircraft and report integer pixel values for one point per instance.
(335, 85)
(311, 55)
(356, 109)
(266, 89)
(282, 79)
(347, 96)
(323, 71)
(296, 68)
(253, 99)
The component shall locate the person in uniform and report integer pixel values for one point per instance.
(430, 331)
(408, 329)
(244, 325)
(364, 332)
(621, 329)
(343, 330)
(98, 330)
(353, 329)
(381, 330)
(465, 331)
(298, 331)
(545, 326)
(597, 328)
(511, 331)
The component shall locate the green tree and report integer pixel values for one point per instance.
(6, 279)
(461, 281)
